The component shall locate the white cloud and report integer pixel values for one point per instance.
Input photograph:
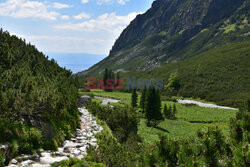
(85, 1)
(100, 2)
(82, 16)
(95, 36)
(26, 9)
(60, 5)
(105, 23)
(68, 44)
(122, 2)
(65, 17)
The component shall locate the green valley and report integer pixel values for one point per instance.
(190, 108)
(190, 118)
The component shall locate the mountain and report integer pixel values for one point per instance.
(172, 30)
(38, 99)
(173, 36)
(220, 75)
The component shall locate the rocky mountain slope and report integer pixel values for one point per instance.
(172, 30)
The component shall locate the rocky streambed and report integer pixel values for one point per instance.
(74, 148)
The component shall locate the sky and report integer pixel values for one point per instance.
(70, 26)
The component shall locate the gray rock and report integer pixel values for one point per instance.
(83, 100)
(40, 165)
(27, 163)
(68, 150)
(51, 160)
(13, 161)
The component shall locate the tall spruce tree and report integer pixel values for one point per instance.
(143, 99)
(153, 107)
(134, 98)
(149, 108)
(108, 74)
(170, 116)
(174, 111)
(117, 77)
(166, 112)
(111, 74)
(105, 77)
(157, 108)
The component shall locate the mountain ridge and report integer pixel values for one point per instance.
(159, 35)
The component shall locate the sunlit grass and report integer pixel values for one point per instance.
(189, 118)
(174, 129)
(124, 97)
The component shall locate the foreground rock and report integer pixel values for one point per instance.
(73, 148)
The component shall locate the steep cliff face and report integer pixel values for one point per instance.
(173, 16)
(175, 29)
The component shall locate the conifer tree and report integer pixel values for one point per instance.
(153, 107)
(111, 74)
(143, 99)
(105, 77)
(157, 107)
(165, 112)
(134, 98)
(149, 105)
(108, 74)
(174, 111)
(170, 113)
(117, 77)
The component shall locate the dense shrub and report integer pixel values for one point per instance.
(122, 121)
(35, 93)
(118, 144)
(210, 148)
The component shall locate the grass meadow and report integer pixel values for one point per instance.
(190, 118)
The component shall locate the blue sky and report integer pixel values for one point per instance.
(70, 26)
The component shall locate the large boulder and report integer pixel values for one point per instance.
(83, 100)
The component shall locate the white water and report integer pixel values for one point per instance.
(201, 104)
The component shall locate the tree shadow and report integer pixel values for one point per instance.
(161, 129)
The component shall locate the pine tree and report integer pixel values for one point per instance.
(170, 112)
(111, 74)
(174, 111)
(149, 106)
(105, 77)
(134, 98)
(153, 107)
(157, 107)
(143, 99)
(117, 77)
(108, 74)
(165, 112)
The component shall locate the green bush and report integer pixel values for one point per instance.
(50, 144)
(210, 148)
(122, 121)
(2, 159)
(118, 143)
(33, 91)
